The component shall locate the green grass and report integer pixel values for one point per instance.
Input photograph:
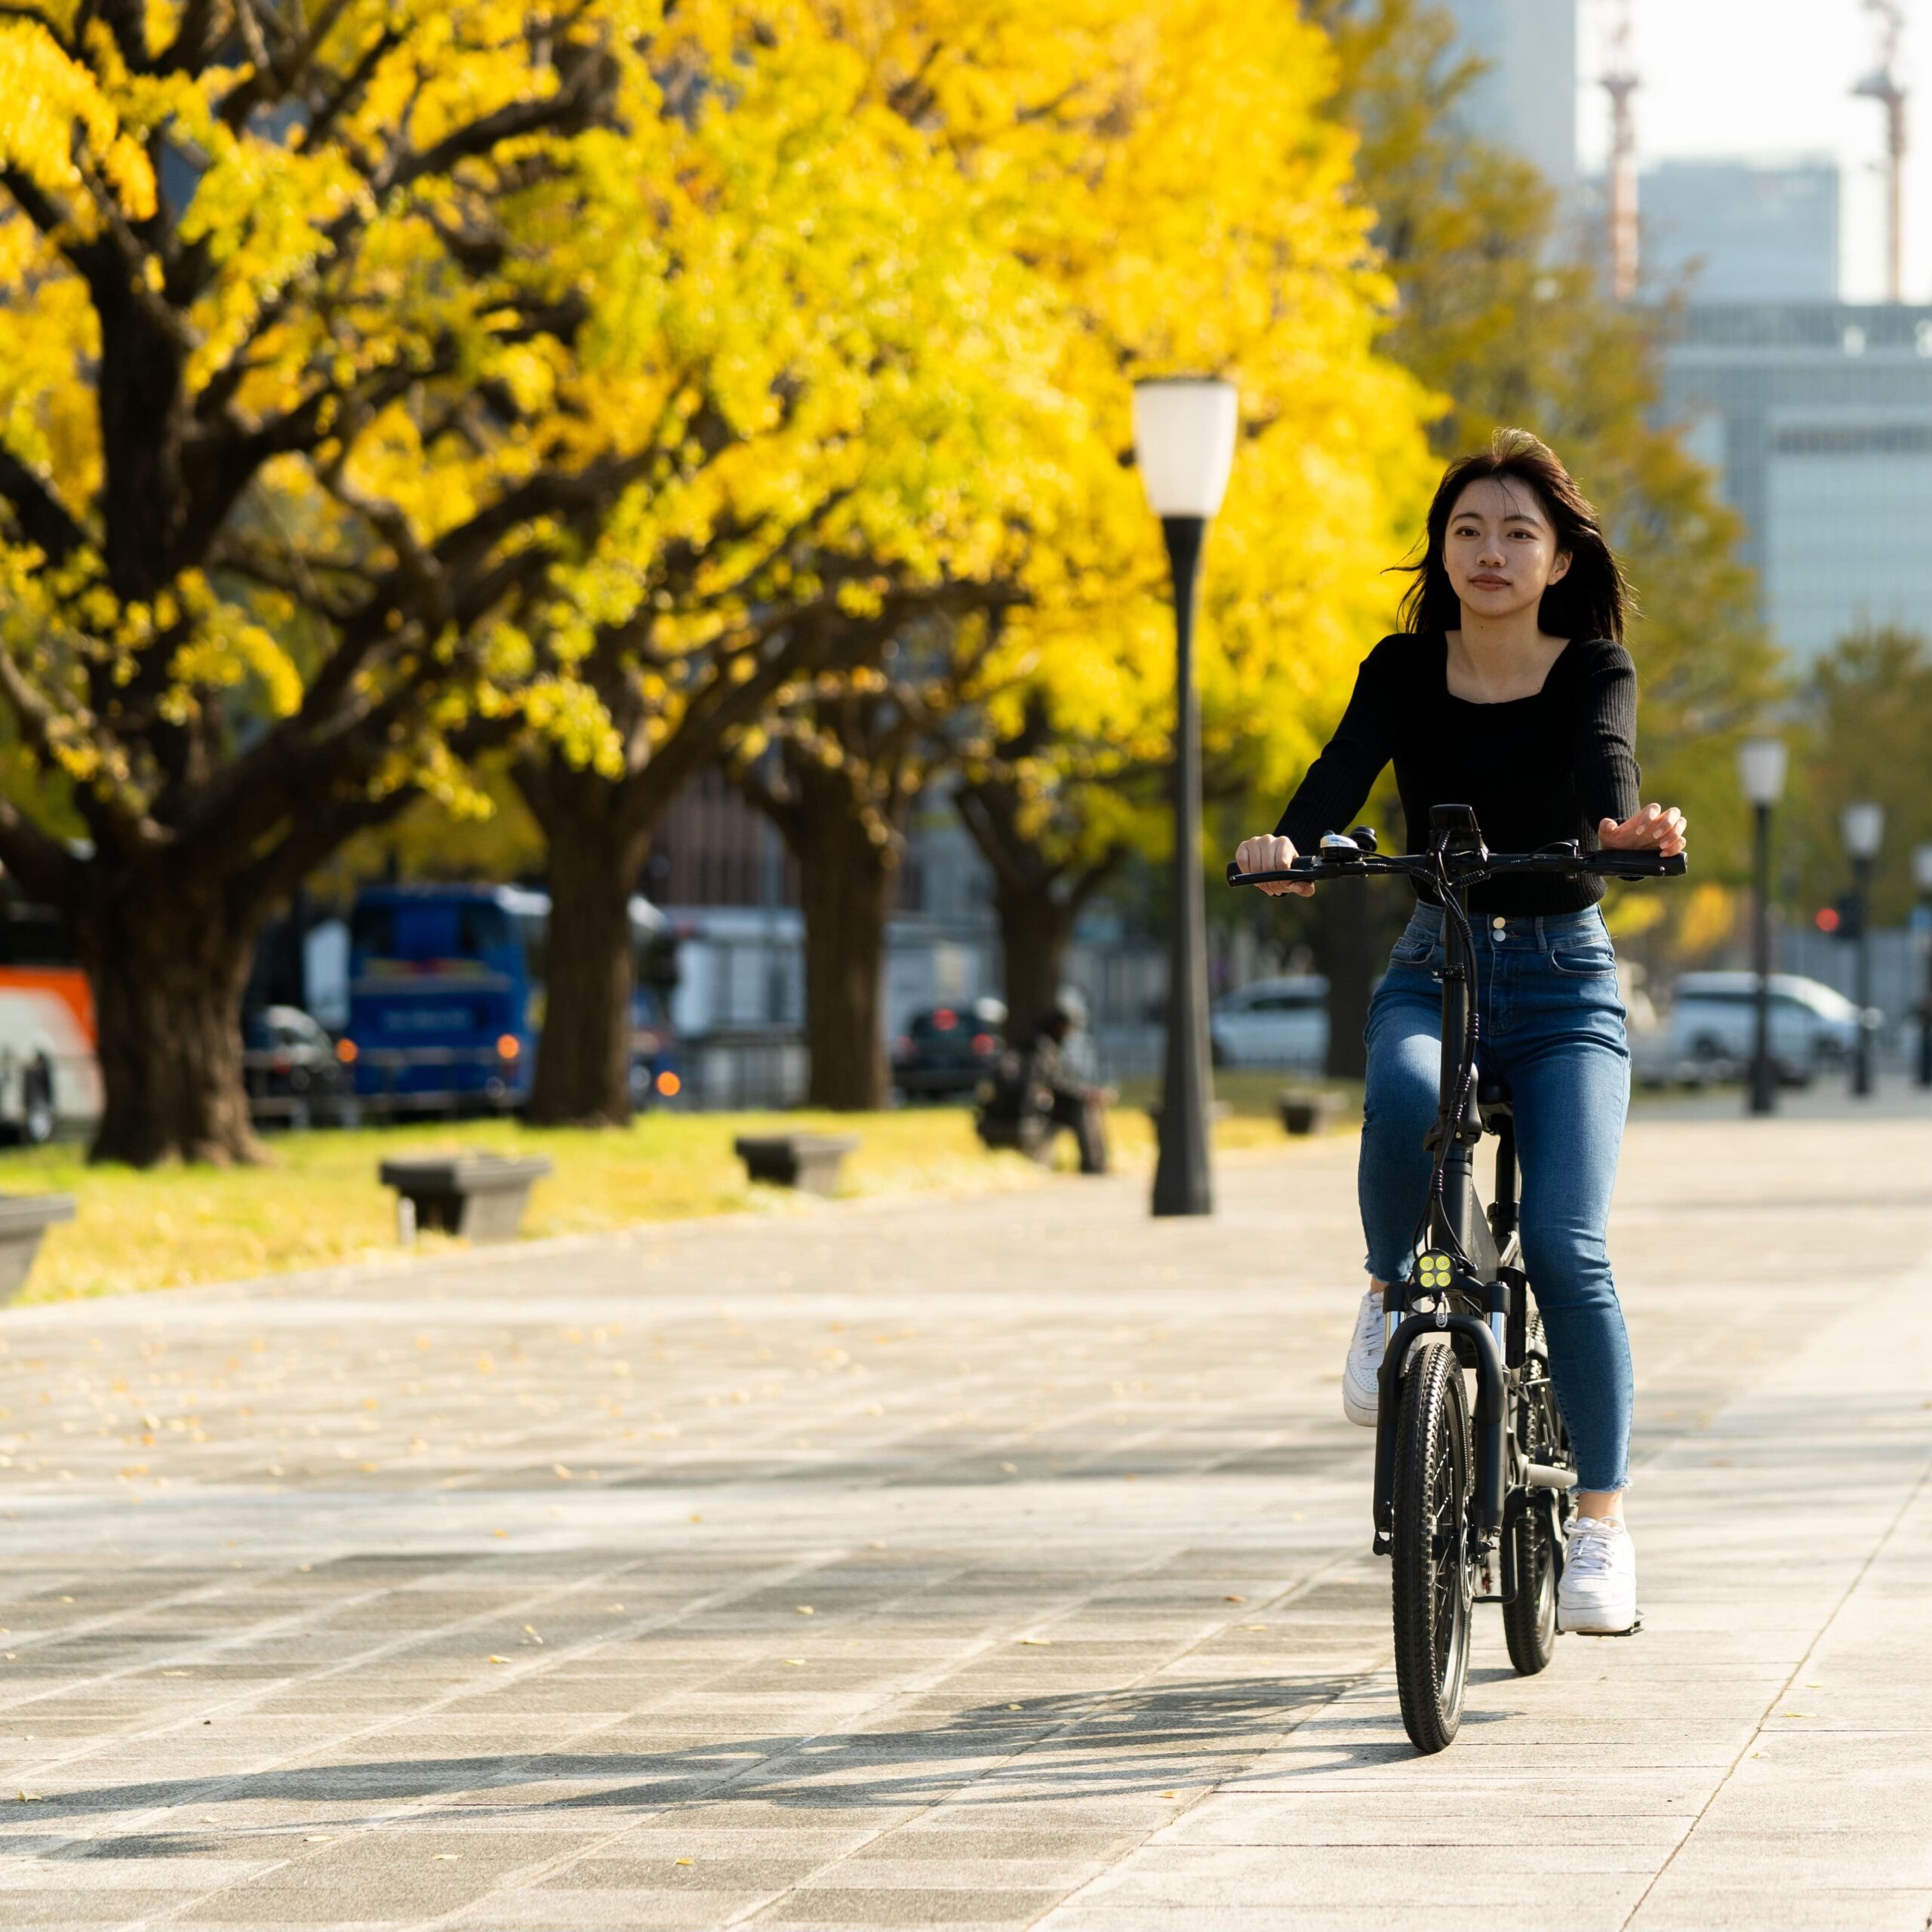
(318, 1202)
(1251, 1092)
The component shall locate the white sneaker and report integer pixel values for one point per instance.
(1598, 1595)
(1362, 1392)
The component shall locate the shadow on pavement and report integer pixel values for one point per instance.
(1033, 1750)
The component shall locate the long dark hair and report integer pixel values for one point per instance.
(1591, 599)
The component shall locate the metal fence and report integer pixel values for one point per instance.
(728, 1072)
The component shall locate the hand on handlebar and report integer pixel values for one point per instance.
(1269, 852)
(1660, 829)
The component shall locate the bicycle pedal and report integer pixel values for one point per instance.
(1636, 1626)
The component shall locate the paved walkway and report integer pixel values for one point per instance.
(992, 1563)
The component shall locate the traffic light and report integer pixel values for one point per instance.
(1845, 918)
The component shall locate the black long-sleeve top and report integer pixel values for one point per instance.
(1536, 769)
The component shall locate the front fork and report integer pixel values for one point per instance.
(1497, 1338)
(1491, 1418)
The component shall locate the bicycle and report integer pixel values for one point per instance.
(1462, 1529)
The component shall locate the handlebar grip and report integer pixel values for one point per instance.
(1640, 865)
(1234, 873)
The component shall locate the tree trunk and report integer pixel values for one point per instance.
(167, 967)
(1035, 927)
(596, 837)
(583, 1062)
(845, 888)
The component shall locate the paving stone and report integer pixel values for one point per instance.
(804, 1549)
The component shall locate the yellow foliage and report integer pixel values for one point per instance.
(644, 331)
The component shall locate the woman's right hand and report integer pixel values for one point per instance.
(1269, 852)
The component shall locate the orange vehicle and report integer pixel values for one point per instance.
(50, 1078)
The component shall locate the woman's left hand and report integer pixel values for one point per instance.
(1653, 829)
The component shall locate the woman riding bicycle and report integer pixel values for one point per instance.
(1508, 690)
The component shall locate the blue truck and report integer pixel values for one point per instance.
(446, 999)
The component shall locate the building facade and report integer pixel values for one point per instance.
(1526, 98)
(1818, 417)
(1741, 231)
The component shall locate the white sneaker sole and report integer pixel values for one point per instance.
(1364, 1415)
(1596, 1624)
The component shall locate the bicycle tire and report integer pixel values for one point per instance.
(1529, 1621)
(1432, 1574)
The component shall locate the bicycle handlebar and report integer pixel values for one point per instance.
(1466, 867)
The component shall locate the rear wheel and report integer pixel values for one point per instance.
(1432, 1570)
(1529, 1621)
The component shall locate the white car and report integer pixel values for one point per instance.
(1713, 1023)
(1273, 1023)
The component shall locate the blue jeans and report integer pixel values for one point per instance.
(1553, 1027)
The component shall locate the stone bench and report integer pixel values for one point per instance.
(24, 1218)
(808, 1161)
(480, 1196)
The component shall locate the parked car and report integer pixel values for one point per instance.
(1711, 1032)
(948, 1050)
(1272, 1023)
(290, 1065)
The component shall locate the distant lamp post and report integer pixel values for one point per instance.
(1761, 769)
(1184, 442)
(1921, 879)
(1863, 826)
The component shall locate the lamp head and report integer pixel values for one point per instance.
(1184, 442)
(1761, 769)
(1863, 825)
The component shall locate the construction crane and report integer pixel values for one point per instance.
(1619, 82)
(1882, 85)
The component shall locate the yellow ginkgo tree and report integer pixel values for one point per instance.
(346, 348)
(874, 368)
(1166, 173)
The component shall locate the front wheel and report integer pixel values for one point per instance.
(1432, 1572)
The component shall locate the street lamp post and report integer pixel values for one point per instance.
(1921, 877)
(1760, 768)
(1184, 442)
(1863, 826)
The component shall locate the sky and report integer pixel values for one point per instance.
(1770, 78)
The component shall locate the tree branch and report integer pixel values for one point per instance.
(126, 20)
(42, 518)
(116, 808)
(274, 74)
(39, 207)
(44, 867)
(274, 872)
(348, 87)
